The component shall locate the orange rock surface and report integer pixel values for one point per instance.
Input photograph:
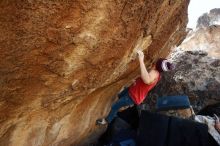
(62, 61)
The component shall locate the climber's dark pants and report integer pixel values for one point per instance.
(124, 100)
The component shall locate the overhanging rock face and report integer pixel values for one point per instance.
(62, 61)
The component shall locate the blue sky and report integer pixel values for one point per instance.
(199, 7)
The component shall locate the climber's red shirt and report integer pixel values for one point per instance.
(139, 90)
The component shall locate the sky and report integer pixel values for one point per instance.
(198, 7)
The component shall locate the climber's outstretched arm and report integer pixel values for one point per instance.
(147, 77)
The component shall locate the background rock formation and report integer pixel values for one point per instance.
(204, 38)
(208, 19)
(62, 61)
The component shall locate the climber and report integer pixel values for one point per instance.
(136, 93)
(217, 124)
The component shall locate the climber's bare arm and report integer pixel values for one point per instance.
(217, 124)
(147, 77)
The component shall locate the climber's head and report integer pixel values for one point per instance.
(163, 65)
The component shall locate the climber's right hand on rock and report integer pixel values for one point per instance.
(140, 55)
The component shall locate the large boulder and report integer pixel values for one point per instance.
(62, 61)
(197, 72)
